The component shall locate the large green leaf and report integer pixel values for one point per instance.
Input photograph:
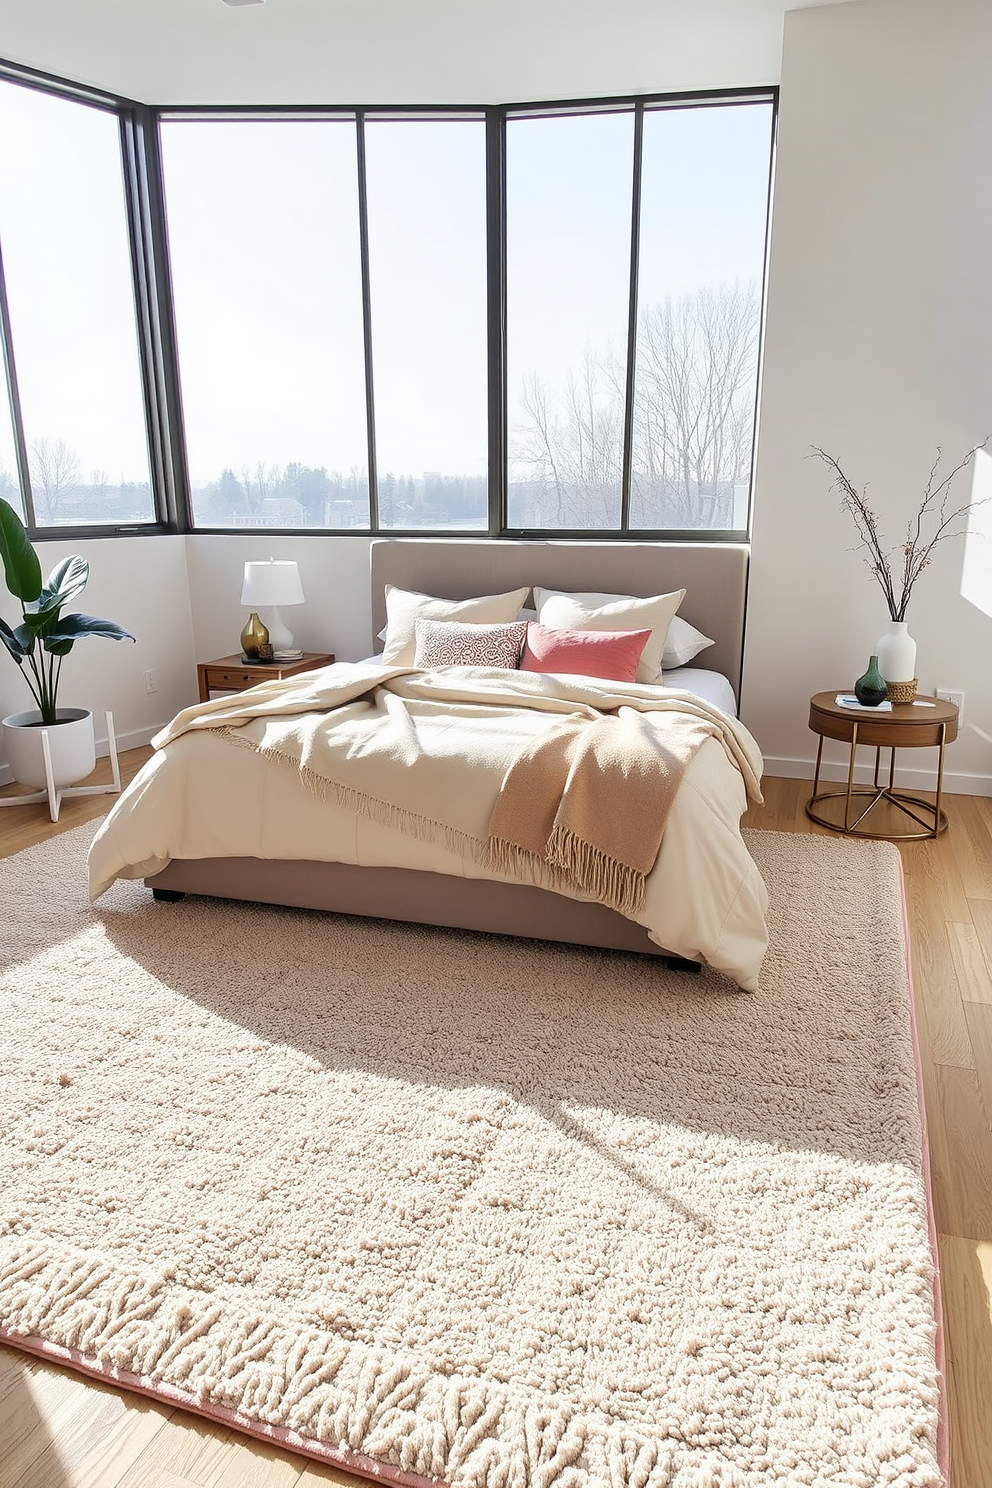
(22, 570)
(71, 627)
(17, 642)
(66, 580)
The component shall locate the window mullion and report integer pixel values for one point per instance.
(496, 313)
(17, 423)
(156, 336)
(363, 233)
(635, 249)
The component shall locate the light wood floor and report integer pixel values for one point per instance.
(57, 1431)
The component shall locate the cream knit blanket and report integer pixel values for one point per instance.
(427, 753)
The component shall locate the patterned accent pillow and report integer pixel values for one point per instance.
(611, 654)
(454, 643)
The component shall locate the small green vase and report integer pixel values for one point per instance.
(871, 688)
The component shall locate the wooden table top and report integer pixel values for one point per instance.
(238, 662)
(915, 725)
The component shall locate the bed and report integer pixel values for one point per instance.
(706, 900)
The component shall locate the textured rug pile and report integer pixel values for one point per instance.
(493, 1212)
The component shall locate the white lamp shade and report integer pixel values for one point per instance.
(271, 583)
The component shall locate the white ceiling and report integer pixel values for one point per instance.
(398, 51)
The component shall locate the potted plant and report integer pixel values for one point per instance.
(935, 519)
(38, 646)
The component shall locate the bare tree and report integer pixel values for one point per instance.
(693, 416)
(694, 405)
(571, 448)
(9, 488)
(54, 473)
(258, 485)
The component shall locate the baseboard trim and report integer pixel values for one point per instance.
(956, 783)
(132, 740)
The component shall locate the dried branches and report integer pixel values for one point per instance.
(933, 521)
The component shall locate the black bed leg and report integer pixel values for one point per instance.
(168, 896)
(679, 963)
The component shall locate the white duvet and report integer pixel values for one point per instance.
(202, 796)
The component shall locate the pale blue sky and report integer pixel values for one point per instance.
(62, 228)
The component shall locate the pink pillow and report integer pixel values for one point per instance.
(611, 654)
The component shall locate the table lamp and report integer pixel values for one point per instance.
(268, 586)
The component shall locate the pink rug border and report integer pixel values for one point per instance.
(367, 1467)
(943, 1436)
(161, 1392)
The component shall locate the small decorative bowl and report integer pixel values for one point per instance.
(900, 692)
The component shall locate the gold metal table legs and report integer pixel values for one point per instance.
(928, 815)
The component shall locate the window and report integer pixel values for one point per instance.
(67, 268)
(267, 287)
(568, 298)
(513, 319)
(704, 184)
(693, 179)
(427, 291)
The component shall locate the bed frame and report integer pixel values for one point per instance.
(714, 576)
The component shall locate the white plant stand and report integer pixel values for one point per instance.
(55, 794)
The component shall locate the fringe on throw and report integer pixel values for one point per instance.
(513, 861)
(609, 881)
(570, 866)
(570, 863)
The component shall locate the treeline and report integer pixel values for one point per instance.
(695, 377)
(299, 495)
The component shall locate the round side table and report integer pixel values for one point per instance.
(925, 723)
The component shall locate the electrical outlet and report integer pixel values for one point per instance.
(150, 684)
(950, 696)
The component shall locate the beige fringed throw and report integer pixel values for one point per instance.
(591, 798)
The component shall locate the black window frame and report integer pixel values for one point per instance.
(144, 191)
(135, 122)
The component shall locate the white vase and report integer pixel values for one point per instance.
(896, 651)
(71, 741)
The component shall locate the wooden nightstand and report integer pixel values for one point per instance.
(234, 674)
(926, 723)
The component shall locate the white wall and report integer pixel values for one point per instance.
(397, 51)
(878, 347)
(139, 582)
(337, 616)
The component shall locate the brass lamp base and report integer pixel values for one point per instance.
(254, 635)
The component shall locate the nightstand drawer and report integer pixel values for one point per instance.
(237, 681)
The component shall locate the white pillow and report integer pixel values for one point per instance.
(563, 611)
(682, 643)
(525, 614)
(404, 608)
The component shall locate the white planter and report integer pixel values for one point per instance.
(71, 740)
(896, 651)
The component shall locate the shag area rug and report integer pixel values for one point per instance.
(497, 1213)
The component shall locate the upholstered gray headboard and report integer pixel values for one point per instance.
(714, 576)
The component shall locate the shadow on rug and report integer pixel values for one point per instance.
(496, 1212)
